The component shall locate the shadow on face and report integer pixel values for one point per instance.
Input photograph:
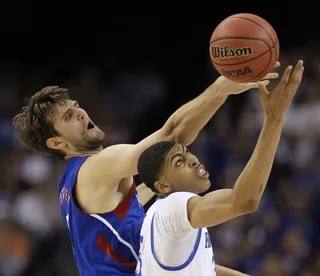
(182, 171)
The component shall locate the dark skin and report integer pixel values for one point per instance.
(182, 171)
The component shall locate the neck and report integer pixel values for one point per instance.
(83, 153)
(161, 195)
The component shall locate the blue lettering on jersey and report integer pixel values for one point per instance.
(214, 263)
(208, 241)
(209, 245)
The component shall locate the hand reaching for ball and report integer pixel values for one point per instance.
(277, 102)
(229, 87)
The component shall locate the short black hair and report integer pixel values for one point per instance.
(151, 162)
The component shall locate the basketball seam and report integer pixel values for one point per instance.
(267, 63)
(269, 50)
(270, 58)
(250, 20)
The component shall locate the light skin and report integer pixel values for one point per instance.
(107, 175)
(78, 132)
(180, 171)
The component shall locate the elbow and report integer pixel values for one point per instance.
(176, 134)
(181, 136)
(248, 206)
(253, 205)
(179, 131)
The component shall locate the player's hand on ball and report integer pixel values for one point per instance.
(277, 102)
(229, 87)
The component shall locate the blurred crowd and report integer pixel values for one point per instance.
(280, 239)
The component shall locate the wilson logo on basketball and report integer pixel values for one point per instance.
(227, 52)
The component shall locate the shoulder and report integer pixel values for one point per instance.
(171, 216)
(110, 162)
(101, 166)
(174, 205)
(96, 186)
(177, 198)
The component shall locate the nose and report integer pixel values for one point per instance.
(81, 114)
(193, 162)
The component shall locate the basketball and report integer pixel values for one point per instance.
(244, 47)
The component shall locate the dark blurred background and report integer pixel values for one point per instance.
(130, 68)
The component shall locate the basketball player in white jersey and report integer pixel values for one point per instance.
(174, 239)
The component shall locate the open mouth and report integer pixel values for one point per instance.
(202, 172)
(90, 125)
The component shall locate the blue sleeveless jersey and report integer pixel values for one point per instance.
(103, 244)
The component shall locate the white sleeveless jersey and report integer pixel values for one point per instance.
(169, 245)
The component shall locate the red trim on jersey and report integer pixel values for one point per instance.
(69, 158)
(105, 246)
(124, 206)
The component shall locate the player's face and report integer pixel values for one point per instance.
(183, 171)
(77, 130)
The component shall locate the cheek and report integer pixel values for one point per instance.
(183, 175)
(76, 129)
(72, 131)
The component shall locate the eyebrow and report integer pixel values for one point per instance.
(75, 103)
(184, 150)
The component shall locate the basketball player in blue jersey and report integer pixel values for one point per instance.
(174, 238)
(99, 201)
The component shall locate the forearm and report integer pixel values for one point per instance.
(144, 193)
(224, 271)
(251, 184)
(189, 119)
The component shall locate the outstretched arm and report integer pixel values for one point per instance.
(182, 126)
(222, 205)
(102, 172)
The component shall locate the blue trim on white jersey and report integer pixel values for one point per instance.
(186, 263)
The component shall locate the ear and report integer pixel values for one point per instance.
(57, 143)
(162, 187)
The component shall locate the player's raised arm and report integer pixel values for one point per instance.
(120, 161)
(222, 205)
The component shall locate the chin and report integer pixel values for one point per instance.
(97, 136)
(204, 186)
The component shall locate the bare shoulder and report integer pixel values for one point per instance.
(105, 164)
(96, 187)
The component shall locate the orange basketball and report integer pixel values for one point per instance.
(244, 47)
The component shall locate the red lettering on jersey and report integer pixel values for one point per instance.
(64, 195)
